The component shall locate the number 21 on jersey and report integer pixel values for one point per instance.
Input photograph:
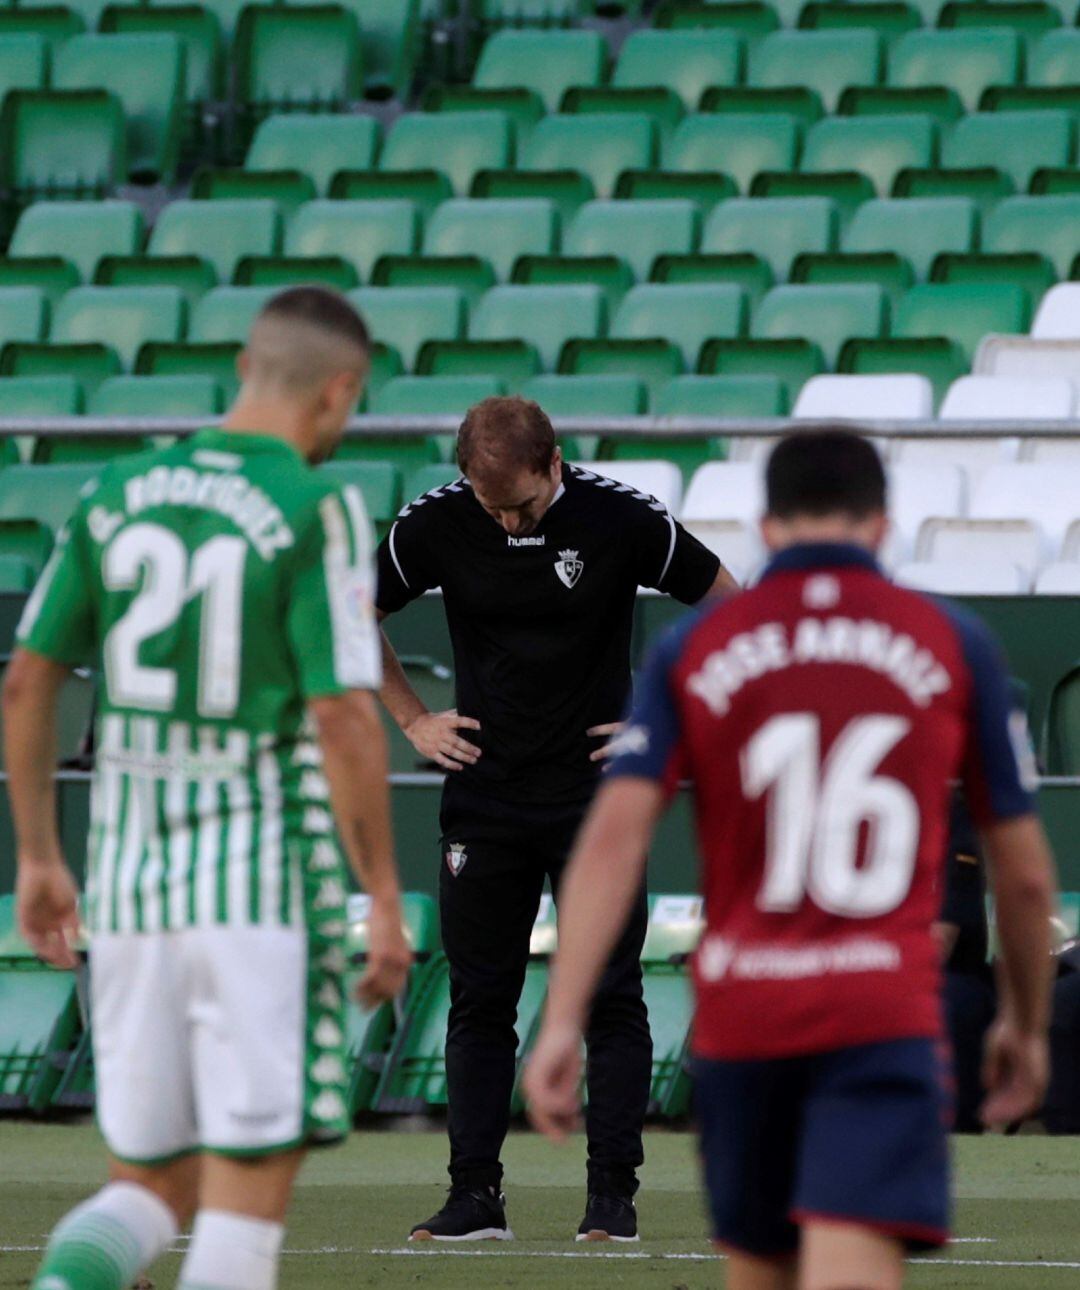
(816, 810)
(169, 580)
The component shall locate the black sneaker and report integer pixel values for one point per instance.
(609, 1218)
(470, 1214)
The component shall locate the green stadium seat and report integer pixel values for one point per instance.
(128, 317)
(289, 189)
(146, 73)
(498, 232)
(434, 396)
(457, 145)
(967, 61)
(1028, 18)
(543, 317)
(1031, 98)
(17, 576)
(39, 396)
(511, 362)
(384, 364)
(610, 273)
(215, 359)
(39, 1019)
(89, 364)
(704, 187)
(686, 62)
(70, 144)
(587, 396)
(189, 274)
(87, 450)
(523, 107)
(963, 314)
(891, 272)
(1031, 271)
(54, 23)
(662, 106)
(823, 61)
(405, 453)
(465, 273)
(1062, 735)
(652, 362)
(78, 232)
(940, 360)
(316, 145)
(24, 314)
(356, 234)
(846, 189)
(917, 230)
(827, 316)
(750, 19)
(684, 315)
(1054, 60)
(985, 186)
(1044, 224)
(637, 232)
(548, 62)
(743, 269)
(302, 58)
(802, 103)
(742, 146)
(875, 146)
(938, 102)
(390, 37)
(157, 396)
(47, 494)
(369, 1033)
(1018, 143)
(597, 146)
(776, 230)
(888, 18)
(219, 232)
(674, 929)
(26, 544)
(426, 189)
(378, 481)
(792, 361)
(24, 61)
(406, 317)
(50, 274)
(424, 480)
(225, 315)
(1054, 181)
(196, 27)
(722, 396)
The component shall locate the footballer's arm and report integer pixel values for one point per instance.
(46, 896)
(356, 765)
(1021, 873)
(595, 899)
(433, 734)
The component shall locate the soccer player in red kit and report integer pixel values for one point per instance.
(821, 718)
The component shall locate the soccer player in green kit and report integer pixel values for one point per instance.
(225, 589)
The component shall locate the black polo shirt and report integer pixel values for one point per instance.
(541, 625)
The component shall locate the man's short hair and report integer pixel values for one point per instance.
(319, 307)
(831, 471)
(504, 435)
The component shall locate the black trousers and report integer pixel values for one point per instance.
(502, 854)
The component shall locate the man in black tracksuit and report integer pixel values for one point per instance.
(539, 564)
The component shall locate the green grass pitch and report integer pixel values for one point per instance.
(1017, 1216)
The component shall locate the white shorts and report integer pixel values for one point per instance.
(221, 1039)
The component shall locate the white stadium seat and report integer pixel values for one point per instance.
(1062, 578)
(1009, 398)
(659, 479)
(901, 397)
(1027, 356)
(723, 508)
(1058, 315)
(1014, 542)
(917, 493)
(1045, 495)
(964, 577)
(974, 455)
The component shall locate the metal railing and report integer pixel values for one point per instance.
(609, 427)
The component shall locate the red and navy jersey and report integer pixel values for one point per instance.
(822, 718)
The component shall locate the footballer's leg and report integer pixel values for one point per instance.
(844, 1256)
(238, 1232)
(104, 1243)
(747, 1272)
(145, 1109)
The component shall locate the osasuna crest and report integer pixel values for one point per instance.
(456, 857)
(569, 567)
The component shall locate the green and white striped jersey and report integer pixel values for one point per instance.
(219, 585)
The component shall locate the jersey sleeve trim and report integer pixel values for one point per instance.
(347, 569)
(671, 547)
(392, 542)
